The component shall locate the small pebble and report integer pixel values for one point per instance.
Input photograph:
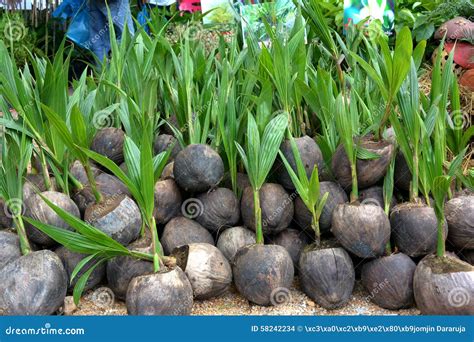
(69, 307)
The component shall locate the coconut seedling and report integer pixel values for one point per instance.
(24, 92)
(166, 290)
(261, 270)
(389, 279)
(440, 279)
(44, 293)
(362, 229)
(326, 274)
(414, 223)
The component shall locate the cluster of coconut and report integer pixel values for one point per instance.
(211, 234)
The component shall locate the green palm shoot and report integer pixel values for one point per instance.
(308, 189)
(16, 155)
(144, 170)
(259, 159)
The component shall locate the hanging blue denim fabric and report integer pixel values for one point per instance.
(89, 27)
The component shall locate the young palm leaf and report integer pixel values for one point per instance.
(259, 158)
(144, 171)
(308, 189)
(16, 155)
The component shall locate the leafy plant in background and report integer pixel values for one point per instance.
(436, 13)
(258, 158)
(20, 39)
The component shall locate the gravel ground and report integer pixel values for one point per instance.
(99, 302)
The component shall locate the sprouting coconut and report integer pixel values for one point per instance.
(293, 240)
(121, 270)
(168, 201)
(414, 228)
(206, 267)
(37, 209)
(166, 293)
(182, 231)
(326, 274)
(336, 196)
(389, 281)
(443, 284)
(232, 239)
(198, 168)
(218, 209)
(362, 229)
(276, 207)
(369, 171)
(310, 155)
(107, 185)
(34, 284)
(70, 260)
(460, 217)
(263, 274)
(109, 142)
(9, 247)
(165, 141)
(117, 216)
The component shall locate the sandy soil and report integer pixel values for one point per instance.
(232, 303)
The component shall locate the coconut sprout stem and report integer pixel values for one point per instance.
(155, 242)
(385, 117)
(258, 216)
(24, 243)
(441, 243)
(45, 171)
(414, 182)
(315, 226)
(91, 179)
(77, 185)
(355, 191)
